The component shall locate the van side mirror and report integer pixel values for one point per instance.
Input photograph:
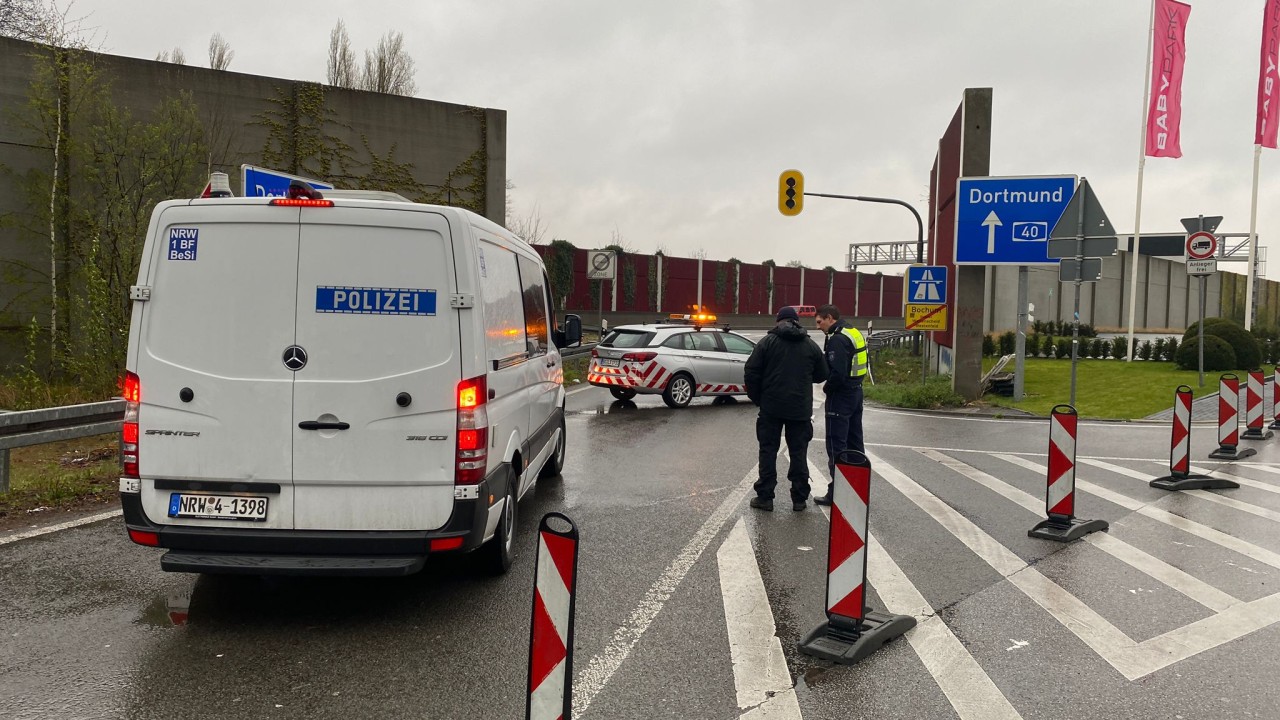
(571, 335)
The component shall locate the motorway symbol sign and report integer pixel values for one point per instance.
(1094, 223)
(1006, 220)
(261, 182)
(1086, 270)
(927, 284)
(1207, 223)
(926, 317)
(601, 265)
(1200, 253)
(1093, 247)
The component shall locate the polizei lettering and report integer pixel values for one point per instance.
(375, 301)
(977, 196)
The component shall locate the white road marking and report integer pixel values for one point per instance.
(760, 670)
(988, 452)
(600, 669)
(1191, 527)
(1223, 468)
(5, 540)
(966, 685)
(1188, 585)
(1131, 659)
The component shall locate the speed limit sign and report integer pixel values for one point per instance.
(601, 264)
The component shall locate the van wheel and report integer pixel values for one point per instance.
(501, 550)
(555, 464)
(679, 391)
(622, 393)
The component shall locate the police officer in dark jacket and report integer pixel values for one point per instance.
(846, 351)
(780, 375)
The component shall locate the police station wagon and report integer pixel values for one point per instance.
(323, 385)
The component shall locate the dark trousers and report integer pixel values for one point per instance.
(769, 432)
(844, 425)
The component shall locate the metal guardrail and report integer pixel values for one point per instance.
(584, 349)
(36, 427)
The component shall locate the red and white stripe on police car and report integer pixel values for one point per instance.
(847, 542)
(1180, 447)
(1061, 493)
(707, 388)
(1253, 403)
(1228, 411)
(551, 632)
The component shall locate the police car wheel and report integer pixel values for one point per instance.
(501, 550)
(679, 391)
(622, 393)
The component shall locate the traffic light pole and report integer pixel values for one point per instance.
(924, 370)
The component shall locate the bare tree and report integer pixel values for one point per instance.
(220, 52)
(43, 22)
(175, 56)
(342, 61)
(388, 68)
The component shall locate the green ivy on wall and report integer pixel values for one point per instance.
(559, 262)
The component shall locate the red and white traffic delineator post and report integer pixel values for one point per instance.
(1180, 476)
(1275, 398)
(551, 632)
(1060, 494)
(1255, 399)
(852, 631)
(1229, 421)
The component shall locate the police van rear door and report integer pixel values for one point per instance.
(374, 319)
(216, 396)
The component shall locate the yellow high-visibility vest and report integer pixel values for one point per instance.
(859, 366)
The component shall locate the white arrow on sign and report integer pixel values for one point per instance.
(991, 223)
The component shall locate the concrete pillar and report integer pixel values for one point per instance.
(770, 289)
(699, 283)
(975, 161)
(737, 286)
(658, 280)
(831, 288)
(801, 285)
(857, 289)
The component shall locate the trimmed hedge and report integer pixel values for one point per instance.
(1248, 353)
(1218, 355)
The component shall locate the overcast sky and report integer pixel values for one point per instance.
(668, 122)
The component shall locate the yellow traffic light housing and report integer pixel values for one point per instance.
(790, 192)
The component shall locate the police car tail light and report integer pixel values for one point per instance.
(639, 357)
(132, 392)
(300, 202)
(473, 431)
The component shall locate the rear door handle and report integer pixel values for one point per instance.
(317, 425)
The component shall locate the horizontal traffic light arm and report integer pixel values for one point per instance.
(889, 201)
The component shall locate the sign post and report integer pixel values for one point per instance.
(1201, 255)
(925, 302)
(601, 265)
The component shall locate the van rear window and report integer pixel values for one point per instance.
(627, 339)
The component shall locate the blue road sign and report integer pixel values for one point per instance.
(261, 182)
(926, 285)
(1006, 221)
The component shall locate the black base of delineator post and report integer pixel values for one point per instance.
(846, 648)
(1236, 453)
(1275, 424)
(1192, 482)
(1066, 531)
(1252, 434)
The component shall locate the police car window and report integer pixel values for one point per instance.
(705, 342)
(627, 339)
(736, 344)
(535, 306)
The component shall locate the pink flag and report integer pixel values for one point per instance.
(1268, 78)
(1169, 52)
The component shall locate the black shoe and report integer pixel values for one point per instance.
(762, 504)
(797, 505)
(823, 500)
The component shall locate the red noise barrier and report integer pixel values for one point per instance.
(1180, 476)
(551, 631)
(852, 631)
(1060, 495)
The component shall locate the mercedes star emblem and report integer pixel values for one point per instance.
(295, 358)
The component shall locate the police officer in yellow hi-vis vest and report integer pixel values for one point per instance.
(846, 351)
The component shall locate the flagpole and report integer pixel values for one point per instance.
(1253, 241)
(1142, 164)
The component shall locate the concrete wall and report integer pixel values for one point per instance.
(435, 139)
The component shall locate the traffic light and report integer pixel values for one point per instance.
(790, 192)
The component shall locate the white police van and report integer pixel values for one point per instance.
(336, 386)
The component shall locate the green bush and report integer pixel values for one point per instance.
(1032, 345)
(988, 346)
(1157, 351)
(1095, 349)
(1245, 346)
(1170, 348)
(1063, 348)
(1218, 355)
(1120, 348)
(1008, 341)
(931, 395)
(1144, 350)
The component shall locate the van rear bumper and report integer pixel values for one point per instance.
(258, 551)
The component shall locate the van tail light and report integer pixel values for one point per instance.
(131, 389)
(639, 356)
(473, 431)
(143, 537)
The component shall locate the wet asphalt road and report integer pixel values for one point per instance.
(91, 628)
